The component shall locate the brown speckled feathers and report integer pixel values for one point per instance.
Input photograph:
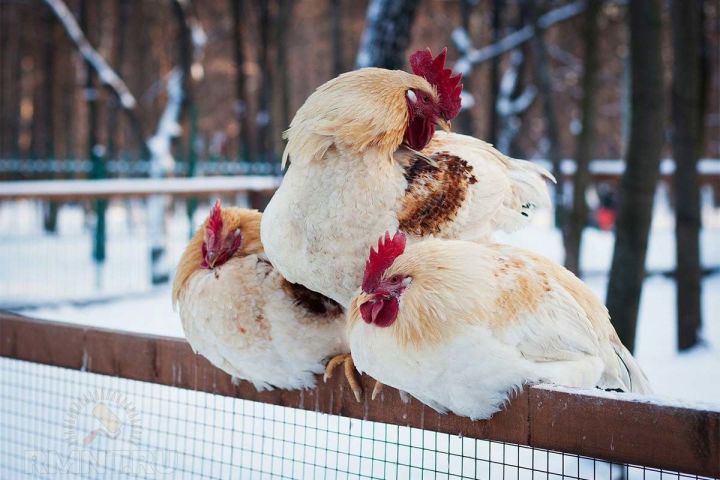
(434, 193)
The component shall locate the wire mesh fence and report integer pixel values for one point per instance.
(62, 423)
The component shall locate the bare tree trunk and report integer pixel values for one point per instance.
(4, 80)
(387, 33)
(337, 37)
(184, 53)
(245, 151)
(578, 213)
(282, 23)
(49, 78)
(12, 45)
(514, 99)
(464, 121)
(263, 120)
(39, 97)
(686, 145)
(51, 208)
(637, 186)
(123, 17)
(494, 74)
(544, 80)
(521, 95)
(94, 151)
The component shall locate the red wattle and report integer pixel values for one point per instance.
(366, 312)
(419, 133)
(381, 313)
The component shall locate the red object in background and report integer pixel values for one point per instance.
(606, 218)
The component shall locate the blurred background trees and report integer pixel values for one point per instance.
(642, 168)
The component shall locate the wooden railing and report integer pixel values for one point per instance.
(134, 187)
(604, 426)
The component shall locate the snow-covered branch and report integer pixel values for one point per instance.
(368, 38)
(471, 56)
(160, 144)
(510, 105)
(158, 147)
(198, 37)
(106, 74)
(387, 33)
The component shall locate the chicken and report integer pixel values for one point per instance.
(365, 158)
(462, 325)
(243, 316)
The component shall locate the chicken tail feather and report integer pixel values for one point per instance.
(637, 382)
(529, 192)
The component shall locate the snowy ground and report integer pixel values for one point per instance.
(55, 272)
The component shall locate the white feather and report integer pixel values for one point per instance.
(239, 317)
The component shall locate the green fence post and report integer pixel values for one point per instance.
(97, 157)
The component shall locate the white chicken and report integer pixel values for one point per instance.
(243, 316)
(461, 325)
(365, 159)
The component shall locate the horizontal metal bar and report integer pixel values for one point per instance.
(224, 166)
(599, 166)
(136, 187)
(672, 437)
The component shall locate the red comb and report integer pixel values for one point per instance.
(388, 249)
(214, 225)
(433, 70)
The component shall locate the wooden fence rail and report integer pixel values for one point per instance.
(133, 187)
(604, 426)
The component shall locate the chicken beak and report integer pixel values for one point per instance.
(444, 124)
(211, 257)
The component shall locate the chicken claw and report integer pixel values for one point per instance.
(376, 390)
(350, 373)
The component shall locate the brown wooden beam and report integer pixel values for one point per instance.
(623, 431)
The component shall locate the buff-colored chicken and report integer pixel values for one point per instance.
(243, 316)
(365, 158)
(461, 325)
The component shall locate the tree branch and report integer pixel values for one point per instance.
(106, 74)
(472, 56)
(387, 33)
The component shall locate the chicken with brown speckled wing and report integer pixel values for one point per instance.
(243, 316)
(365, 158)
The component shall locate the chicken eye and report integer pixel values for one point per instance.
(426, 99)
(395, 279)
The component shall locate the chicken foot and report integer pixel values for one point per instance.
(351, 375)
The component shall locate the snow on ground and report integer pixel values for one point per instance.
(56, 273)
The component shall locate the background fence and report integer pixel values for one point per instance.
(172, 415)
(126, 232)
